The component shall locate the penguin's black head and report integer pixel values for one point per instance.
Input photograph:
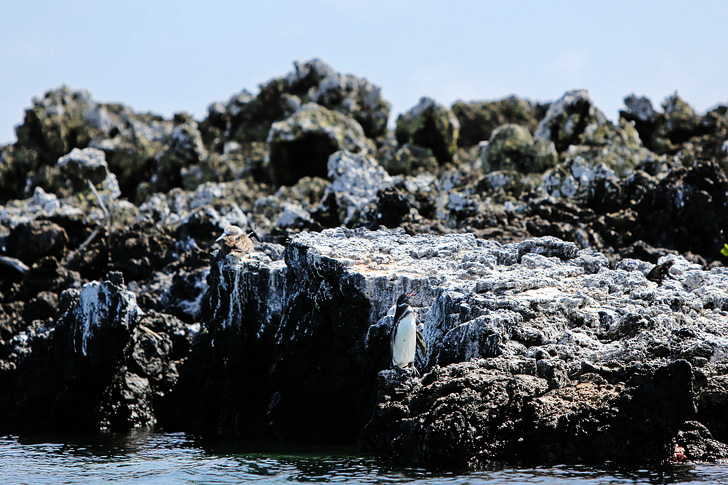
(404, 298)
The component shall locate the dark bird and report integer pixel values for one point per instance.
(234, 240)
(660, 271)
(405, 334)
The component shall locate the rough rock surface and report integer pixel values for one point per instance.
(536, 339)
(478, 120)
(301, 144)
(432, 126)
(569, 273)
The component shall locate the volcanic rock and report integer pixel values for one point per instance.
(478, 120)
(432, 126)
(301, 144)
(571, 116)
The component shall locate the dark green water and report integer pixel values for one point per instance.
(162, 458)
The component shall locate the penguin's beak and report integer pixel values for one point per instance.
(411, 294)
(220, 238)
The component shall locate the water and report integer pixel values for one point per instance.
(163, 458)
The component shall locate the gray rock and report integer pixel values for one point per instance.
(79, 167)
(430, 125)
(355, 181)
(640, 107)
(578, 339)
(301, 144)
(568, 118)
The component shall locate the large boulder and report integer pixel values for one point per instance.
(478, 119)
(668, 131)
(145, 152)
(301, 144)
(511, 147)
(430, 125)
(568, 118)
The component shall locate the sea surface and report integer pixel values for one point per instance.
(162, 458)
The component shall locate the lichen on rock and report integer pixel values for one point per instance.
(301, 144)
(430, 125)
(568, 118)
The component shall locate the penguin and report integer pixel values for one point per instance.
(405, 336)
(235, 240)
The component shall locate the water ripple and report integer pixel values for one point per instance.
(162, 458)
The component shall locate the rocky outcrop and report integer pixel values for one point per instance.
(538, 351)
(569, 282)
(247, 117)
(478, 120)
(568, 118)
(430, 125)
(511, 147)
(301, 144)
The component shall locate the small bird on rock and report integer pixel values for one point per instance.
(234, 240)
(660, 271)
(405, 335)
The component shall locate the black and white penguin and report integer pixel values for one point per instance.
(233, 239)
(405, 335)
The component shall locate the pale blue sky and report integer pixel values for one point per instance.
(167, 57)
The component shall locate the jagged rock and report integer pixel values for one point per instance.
(712, 398)
(197, 217)
(356, 179)
(350, 95)
(511, 147)
(301, 144)
(580, 343)
(64, 119)
(102, 364)
(568, 118)
(47, 274)
(183, 152)
(681, 121)
(246, 118)
(56, 124)
(55, 376)
(11, 320)
(224, 388)
(458, 416)
(577, 177)
(667, 131)
(617, 147)
(430, 125)
(478, 120)
(699, 444)
(687, 211)
(79, 168)
(291, 208)
(640, 108)
(139, 251)
(30, 241)
(138, 391)
(482, 412)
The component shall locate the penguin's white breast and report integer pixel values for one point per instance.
(405, 341)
